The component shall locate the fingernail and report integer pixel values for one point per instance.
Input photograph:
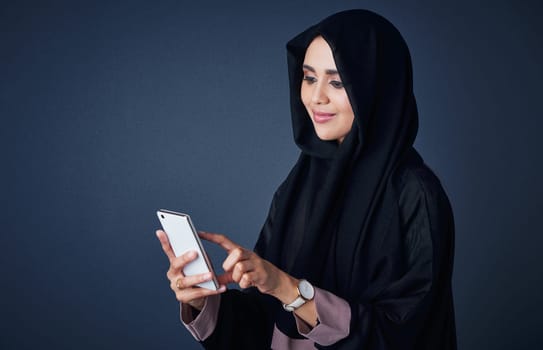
(222, 289)
(192, 254)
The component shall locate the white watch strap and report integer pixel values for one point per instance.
(299, 301)
(296, 303)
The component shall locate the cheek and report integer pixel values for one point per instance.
(305, 95)
(344, 105)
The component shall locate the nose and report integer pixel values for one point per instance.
(319, 94)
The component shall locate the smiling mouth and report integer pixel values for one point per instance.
(321, 117)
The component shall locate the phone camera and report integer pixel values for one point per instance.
(162, 216)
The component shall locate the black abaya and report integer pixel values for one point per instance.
(365, 219)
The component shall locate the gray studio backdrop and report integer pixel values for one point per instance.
(111, 110)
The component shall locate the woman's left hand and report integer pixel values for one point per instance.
(246, 268)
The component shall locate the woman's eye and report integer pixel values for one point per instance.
(309, 79)
(336, 84)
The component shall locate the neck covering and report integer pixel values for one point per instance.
(338, 197)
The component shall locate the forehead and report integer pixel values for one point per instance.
(319, 55)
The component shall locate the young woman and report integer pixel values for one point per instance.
(357, 249)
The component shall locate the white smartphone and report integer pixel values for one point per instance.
(184, 237)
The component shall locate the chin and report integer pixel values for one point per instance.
(326, 137)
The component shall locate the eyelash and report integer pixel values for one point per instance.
(335, 83)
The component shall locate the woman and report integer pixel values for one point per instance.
(357, 249)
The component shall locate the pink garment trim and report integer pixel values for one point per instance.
(334, 315)
(203, 325)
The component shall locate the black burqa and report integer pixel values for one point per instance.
(336, 220)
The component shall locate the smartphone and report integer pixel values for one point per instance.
(183, 237)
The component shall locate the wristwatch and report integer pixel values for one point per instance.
(306, 292)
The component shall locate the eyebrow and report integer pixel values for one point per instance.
(327, 71)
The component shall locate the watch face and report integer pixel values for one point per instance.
(306, 290)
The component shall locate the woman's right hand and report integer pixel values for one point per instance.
(184, 287)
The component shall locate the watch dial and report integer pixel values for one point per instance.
(306, 290)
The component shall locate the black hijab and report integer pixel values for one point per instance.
(338, 199)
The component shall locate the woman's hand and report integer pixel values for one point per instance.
(246, 268)
(184, 287)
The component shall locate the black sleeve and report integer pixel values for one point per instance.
(414, 311)
(244, 320)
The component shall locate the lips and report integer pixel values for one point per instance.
(322, 117)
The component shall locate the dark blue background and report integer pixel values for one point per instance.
(110, 111)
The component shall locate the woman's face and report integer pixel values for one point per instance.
(323, 93)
